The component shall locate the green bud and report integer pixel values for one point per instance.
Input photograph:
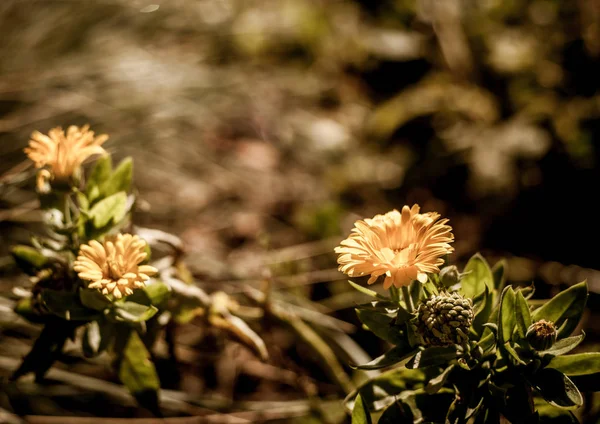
(444, 320)
(541, 335)
(449, 276)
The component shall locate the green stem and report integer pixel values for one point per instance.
(407, 299)
(394, 294)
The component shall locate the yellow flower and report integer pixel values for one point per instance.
(113, 266)
(64, 153)
(402, 245)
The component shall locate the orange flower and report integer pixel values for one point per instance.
(113, 266)
(64, 153)
(403, 246)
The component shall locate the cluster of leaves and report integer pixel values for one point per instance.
(76, 212)
(497, 373)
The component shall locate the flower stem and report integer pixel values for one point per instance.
(394, 293)
(407, 299)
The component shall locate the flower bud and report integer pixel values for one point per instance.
(541, 335)
(444, 320)
(449, 276)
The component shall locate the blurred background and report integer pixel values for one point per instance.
(262, 129)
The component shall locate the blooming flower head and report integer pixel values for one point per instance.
(113, 266)
(64, 153)
(403, 246)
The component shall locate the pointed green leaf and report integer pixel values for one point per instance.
(24, 307)
(360, 413)
(488, 342)
(110, 209)
(523, 316)
(158, 292)
(564, 309)
(67, 305)
(513, 353)
(120, 179)
(82, 201)
(438, 356)
(30, 260)
(456, 412)
(437, 383)
(577, 364)
(396, 413)
(137, 372)
(134, 312)
(498, 272)
(552, 414)
(90, 342)
(93, 299)
(527, 292)
(563, 346)
(557, 388)
(100, 173)
(506, 315)
(477, 275)
(483, 304)
(381, 324)
(391, 357)
(383, 390)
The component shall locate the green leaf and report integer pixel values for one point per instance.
(437, 383)
(158, 292)
(506, 315)
(97, 336)
(93, 299)
(513, 353)
(488, 342)
(137, 372)
(110, 209)
(527, 292)
(563, 346)
(100, 173)
(456, 412)
(24, 307)
(360, 413)
(483, 304)
(477, 276)
(577, 364)
(396, 413)
(367, 291)
(381, 324)
(67, 305)
(134, 312)
(498, 273)
(564, 309)
(381, 391)
(83, 201)
(523, 316)
(557, 388)
(391, 357)
(438, 356)
(551, 414)
(45, 350)
(120, 179)
(91, 339)
(30, 260)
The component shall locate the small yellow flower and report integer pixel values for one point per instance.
(64, 153)
(402, 245)
(113, 266)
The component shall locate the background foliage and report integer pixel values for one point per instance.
(262, 129)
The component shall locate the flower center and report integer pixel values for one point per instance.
(115, 268)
